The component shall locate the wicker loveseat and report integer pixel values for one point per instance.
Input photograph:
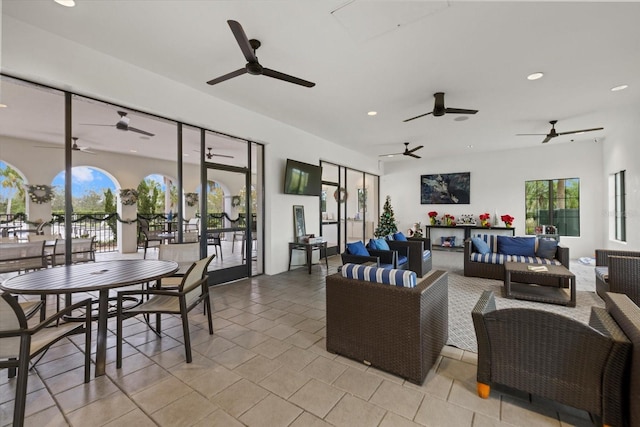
(618, 271)
(395, 329)
(558, 358)
(491, 266)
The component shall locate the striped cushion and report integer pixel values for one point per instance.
(534, 260)
(491, 240)
(403, 278)
(490, 258)
(426, 254)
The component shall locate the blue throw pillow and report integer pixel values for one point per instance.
(399, 236)
(357, 248)
(547, 248)
(480, 246)
(523, 246)
(382, 245)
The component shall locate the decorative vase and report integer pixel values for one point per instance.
(507, 224)
(433, 220)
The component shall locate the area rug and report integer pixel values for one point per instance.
(464, 293)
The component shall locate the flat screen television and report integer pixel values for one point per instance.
(302, 178)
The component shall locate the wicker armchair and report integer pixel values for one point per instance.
(618, 271)
(398, 330)
(544, 353)
(380, 258)
(419, 253)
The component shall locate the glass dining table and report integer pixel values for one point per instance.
(88, 277)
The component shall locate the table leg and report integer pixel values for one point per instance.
(309, 256)
(572, 285)
(326, 258)
(101, 335)
(290, 255)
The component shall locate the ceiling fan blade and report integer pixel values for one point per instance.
(417, 117)
(547, 139)
(94, 124)
(143, 132)
(231, 75)
(459, 111)
(414, 149)
(286, 77)
(86, 150)
(412, 155)
(390, 154)
(579, 131)
(222, 155)
(530, 134)
(46, 146)
(242, 40)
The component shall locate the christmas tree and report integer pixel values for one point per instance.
(387, 223)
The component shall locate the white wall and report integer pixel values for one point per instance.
(497, 184)
(621, 151)
(33, 54)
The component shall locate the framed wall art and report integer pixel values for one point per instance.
(445, 188)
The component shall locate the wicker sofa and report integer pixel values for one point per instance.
(492, 266)
(543, 353)
(618, 271)
(395, 329)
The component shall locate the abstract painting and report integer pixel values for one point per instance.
(445, 188)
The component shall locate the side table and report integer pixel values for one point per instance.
(309, 248)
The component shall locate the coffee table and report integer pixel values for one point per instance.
(528, 286)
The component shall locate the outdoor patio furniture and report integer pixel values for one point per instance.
(22, 257)
(618, 271)
(192, 290)
(146, 237)
(554, 357)
(395, 329)
(19, 344)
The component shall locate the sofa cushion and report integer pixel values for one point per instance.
(357, 248)
(399, 236)
(402, 259)
(379, 244)
(490, 258)
(534, 260)
(547, 248)
(402, 278)
(602, 273)
(491, 240)
(480, 246)
(524, 246)
(426, 254)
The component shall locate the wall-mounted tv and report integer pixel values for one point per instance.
(302, 178)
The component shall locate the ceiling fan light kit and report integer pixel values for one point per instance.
(253, 67)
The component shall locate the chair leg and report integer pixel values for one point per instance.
(21, 387)
(207, 310)
(187, 338)
(119, 334)
(484, 390)
(12, 370)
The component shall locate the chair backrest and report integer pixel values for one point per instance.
(190, 236)
(42, 237)
(191, 281)
(22, 256)
(179, 252)
(11, 318)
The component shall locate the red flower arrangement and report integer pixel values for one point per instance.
(432, 217)
(507, 219)
(484, 219)
(448, 220)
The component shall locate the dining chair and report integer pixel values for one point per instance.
(215, 240)
(19, 343)
(147, 238)
(191, 291)
(181, 253)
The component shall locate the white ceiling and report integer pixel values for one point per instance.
(387, 56)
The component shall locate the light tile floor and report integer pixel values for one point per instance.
(266, 365)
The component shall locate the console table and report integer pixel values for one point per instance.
(463, 230)
(309, 248)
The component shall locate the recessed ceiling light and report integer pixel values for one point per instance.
(3, 105)
(535, 76)
(390, 155)
(144, 137)
(470, 146)
(617, 88)
(185, 154)
(66, 3)
(461, 118)
(372, 113)
(133, 151)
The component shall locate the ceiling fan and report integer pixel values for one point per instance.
(440, 110)
(123, 124)
(253, 67)
(74, 147)
(406, 152)
(211, 155)
(552, 133)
